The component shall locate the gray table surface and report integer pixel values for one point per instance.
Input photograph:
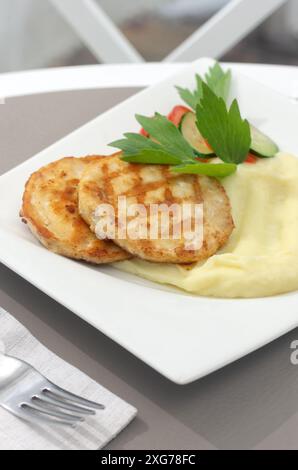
(251, 404)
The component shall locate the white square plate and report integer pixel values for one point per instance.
(182, 336)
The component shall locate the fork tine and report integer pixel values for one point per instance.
(25, 415)
(46, 400)
(56, 414)
(55, 390)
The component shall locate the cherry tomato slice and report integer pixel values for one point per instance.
(252, 159)
(144, 133)
(177, 114)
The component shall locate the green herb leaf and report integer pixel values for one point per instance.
(192, 98)
(216, 78)
(225, 130)
(167, 135)
(219, 81)
(168, 147)
(218, 170)
(153, 157)
(133, 143)
(140, 149)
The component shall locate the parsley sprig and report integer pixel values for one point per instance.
(218, 81)
(192, 98)
(224, 129)
(168, 147)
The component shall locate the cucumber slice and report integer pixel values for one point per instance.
(191, 133)
(261, 144)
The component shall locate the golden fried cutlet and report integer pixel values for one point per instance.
(106, 179)
(50, 208)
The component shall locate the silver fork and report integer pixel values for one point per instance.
(30, 396)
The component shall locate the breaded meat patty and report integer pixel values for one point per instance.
(50, 209)
(107, 179)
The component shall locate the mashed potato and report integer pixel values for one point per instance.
(261, 256)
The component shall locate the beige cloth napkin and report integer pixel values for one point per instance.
(93, 434)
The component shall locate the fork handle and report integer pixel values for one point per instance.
(10, 369)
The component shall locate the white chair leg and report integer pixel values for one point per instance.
(225, 29)
(97, 31)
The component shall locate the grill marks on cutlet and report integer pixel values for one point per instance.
(145, 184)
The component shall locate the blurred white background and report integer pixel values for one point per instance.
(34, 35)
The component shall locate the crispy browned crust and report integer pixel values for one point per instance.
(50, 209)
(106, 179)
